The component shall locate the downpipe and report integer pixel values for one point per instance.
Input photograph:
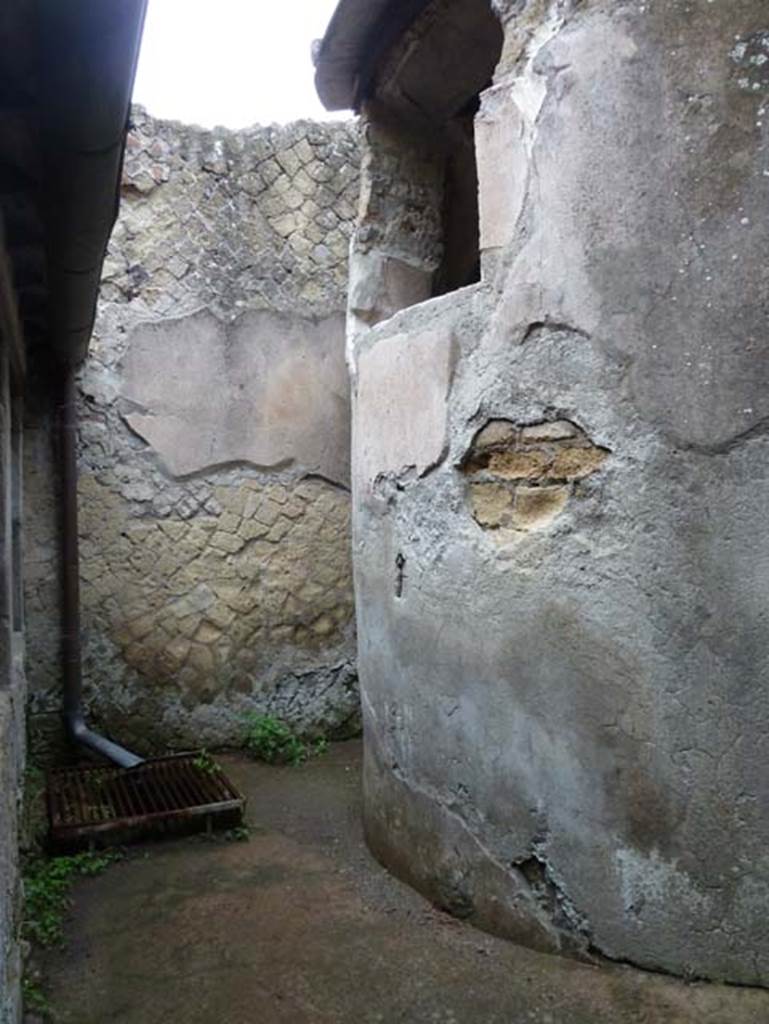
(72, 663)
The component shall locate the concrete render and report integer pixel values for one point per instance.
(564, 694)
(300, 925)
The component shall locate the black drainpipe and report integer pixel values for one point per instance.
(74, 720)
(87, 54)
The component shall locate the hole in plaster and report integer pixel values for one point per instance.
(552, 899)
(522, 476)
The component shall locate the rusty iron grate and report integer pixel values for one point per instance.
(181, 793)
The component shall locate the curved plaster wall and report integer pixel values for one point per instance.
(562, 559)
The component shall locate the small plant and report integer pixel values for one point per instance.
(239, 834)
(205, 763)
(34, 820)
(47, 890)
(268, 739)
(35, 1000)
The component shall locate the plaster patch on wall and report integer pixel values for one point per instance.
(521, 477)
(282, 393)
(401, 408)
(502, 167)
(652, 880)
(505, 132)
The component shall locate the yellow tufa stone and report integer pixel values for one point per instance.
(521, 477)
(189, 601)
(491, 504)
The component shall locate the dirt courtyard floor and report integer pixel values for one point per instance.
(299, 925)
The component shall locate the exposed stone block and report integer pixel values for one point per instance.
(381, 285)
(521, 477)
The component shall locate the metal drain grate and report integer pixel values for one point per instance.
(181, 793)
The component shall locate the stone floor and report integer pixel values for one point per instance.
(300, 926)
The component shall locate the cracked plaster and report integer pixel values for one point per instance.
(593, 694)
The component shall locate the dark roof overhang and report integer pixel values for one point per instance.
(359, 34)
(64, 102)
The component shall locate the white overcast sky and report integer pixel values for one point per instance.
(231, 62)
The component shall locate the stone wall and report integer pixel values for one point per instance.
(397, 247)
(562, 565)
(42, 579)
(12, 677)
(214, 445)
(12, 734)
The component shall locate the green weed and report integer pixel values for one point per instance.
(34, 817)
(239, 834)
(320, 746)
(48, 888)
(205, 763)
(268, 739)
(35, 999)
